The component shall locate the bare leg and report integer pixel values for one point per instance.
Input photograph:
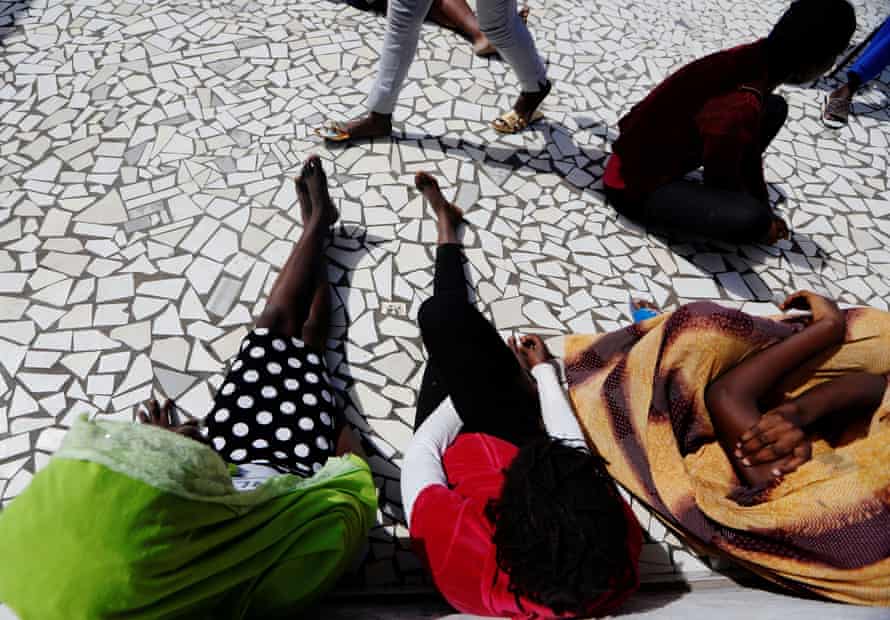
(457, 15)
(290, 301)
(448, 216)
(318, 323)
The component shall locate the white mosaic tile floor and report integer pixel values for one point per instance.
(146, 152)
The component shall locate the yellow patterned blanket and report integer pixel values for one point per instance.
(639, 395)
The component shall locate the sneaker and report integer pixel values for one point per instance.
(835, 111)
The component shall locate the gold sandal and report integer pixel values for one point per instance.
(511, 122)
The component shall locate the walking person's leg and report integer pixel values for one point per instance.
(868, 66)
(468, 359)
(404, 19)
(876, 56)
(507, 31)
(457, 15)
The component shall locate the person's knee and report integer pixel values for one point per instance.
(753, 224)
(315, 333)
(404, 17)
(277, 320)
(437, 312)
(495, 25)
(431, 313)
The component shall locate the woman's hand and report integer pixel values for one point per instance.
(530, 351)
(165, 417)
(824, 310)
(778, 434)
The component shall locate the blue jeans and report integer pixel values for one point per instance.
(875, 57)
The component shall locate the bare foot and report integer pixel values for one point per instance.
(445, 211)
(373, 125)
(317, 186)
(303, 197)
(777, 230)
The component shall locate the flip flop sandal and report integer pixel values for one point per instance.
(835, 113)
(332, 132)
(510, 122)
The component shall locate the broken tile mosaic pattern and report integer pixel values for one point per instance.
(146, 205)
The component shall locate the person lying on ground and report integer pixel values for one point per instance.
(764, 440)
(256, 517)
(512, 513)
(720, 113)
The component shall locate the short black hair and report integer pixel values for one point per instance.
(809, 33)
(559, 527)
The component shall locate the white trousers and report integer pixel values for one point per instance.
(498, 20)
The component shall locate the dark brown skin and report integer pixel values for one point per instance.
(530, 351)
(448, 216)
(299, 302)
(167, 417)
(765, 446)
(457, 15)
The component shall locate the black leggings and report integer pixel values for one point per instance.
(469, 361)
(689, 206)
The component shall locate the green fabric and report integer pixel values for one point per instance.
(132, 521)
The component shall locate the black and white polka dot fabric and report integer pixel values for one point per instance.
(276, 406)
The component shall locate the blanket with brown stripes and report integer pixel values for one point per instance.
(639, 394)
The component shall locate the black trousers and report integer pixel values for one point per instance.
(691, 207)
(469, 361)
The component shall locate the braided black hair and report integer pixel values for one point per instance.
(559, 527)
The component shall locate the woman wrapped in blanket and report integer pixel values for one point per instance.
(511, 512)
(765, 440)
(254, 517)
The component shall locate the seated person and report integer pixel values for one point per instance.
(513, 515)
(720, 113)
(137, 521)
(875, 58)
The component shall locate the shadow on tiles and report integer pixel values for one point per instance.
(560, 155)
(12, 12)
